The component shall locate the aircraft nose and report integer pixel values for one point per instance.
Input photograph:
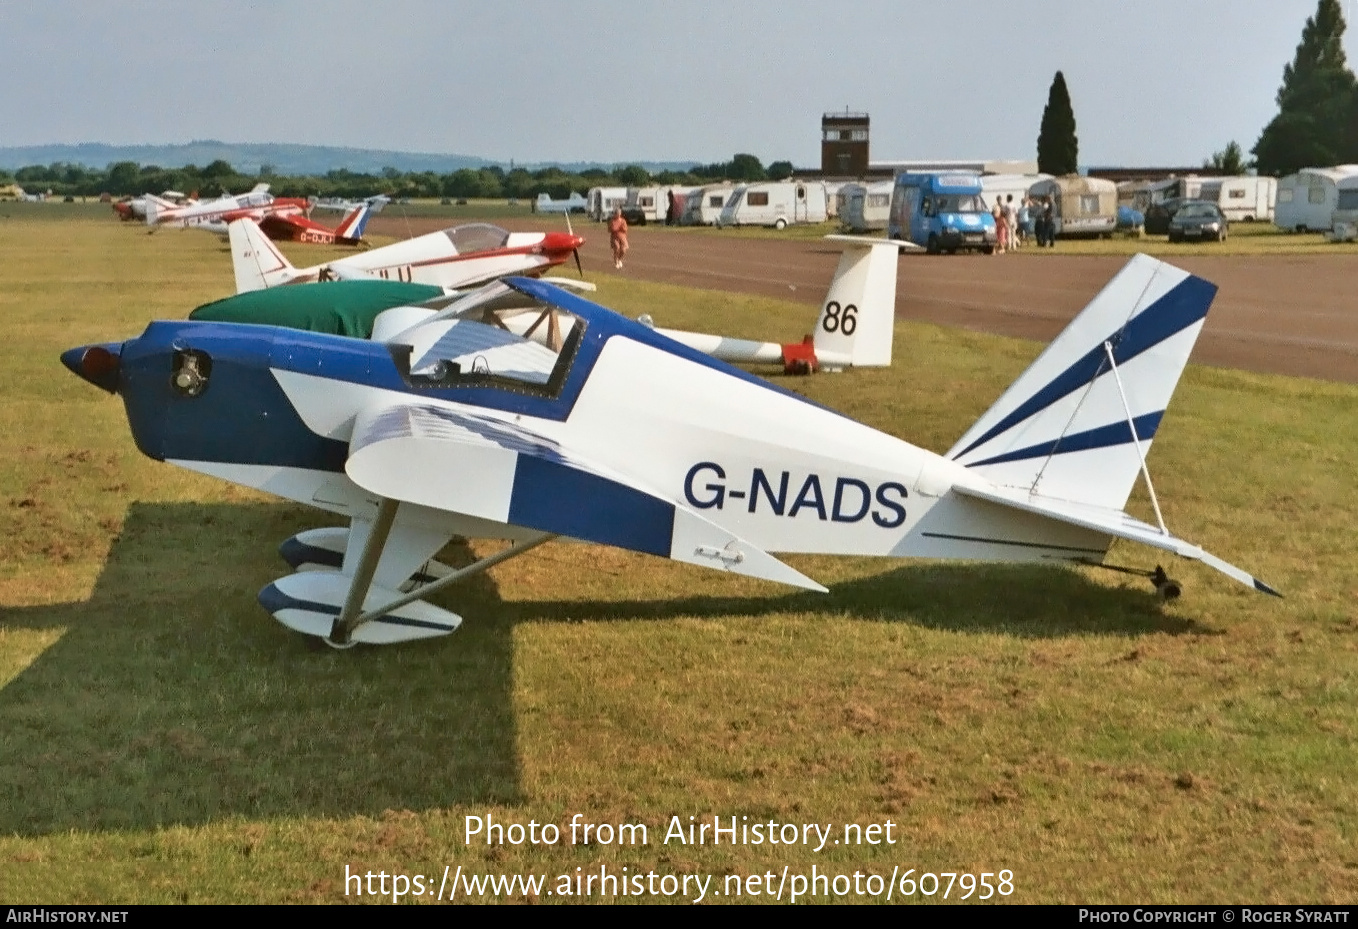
(562, 243)
(98, 364)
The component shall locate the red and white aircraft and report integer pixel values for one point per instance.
(158, 213)
(463, 256)
(284, 221)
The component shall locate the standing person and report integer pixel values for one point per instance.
(1001, 230)
(1011, 220)
(1025, 219)
(617, 236)
(1047, 224)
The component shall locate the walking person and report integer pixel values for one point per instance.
(617, 236)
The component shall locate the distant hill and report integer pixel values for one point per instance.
(248, 158)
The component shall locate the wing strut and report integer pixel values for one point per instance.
(350, 618)
(1136, 439)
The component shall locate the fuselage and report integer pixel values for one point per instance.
(275, 410)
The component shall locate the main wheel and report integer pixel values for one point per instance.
(932, 247)
(780, 223)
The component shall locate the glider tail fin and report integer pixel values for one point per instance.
(257, 262)
(1077, 424)
(858, 317)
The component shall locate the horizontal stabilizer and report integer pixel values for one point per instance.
(1114, 523)
(310, 602)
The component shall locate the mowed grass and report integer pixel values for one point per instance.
(162, 739)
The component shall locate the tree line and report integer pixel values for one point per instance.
(127, 178)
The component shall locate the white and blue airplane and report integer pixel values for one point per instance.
(590, 426)
(575, 203)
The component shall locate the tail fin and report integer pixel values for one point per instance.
(1064, 429)
(354, 222)
(858, 317)
(257, 262)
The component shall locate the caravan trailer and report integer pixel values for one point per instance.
(652, 204)
(1307, 200)
(999, 187)
(775, 203)
(705, 204)
(1242, 199)
(602, 201)
(1082, 206)
(866, 206)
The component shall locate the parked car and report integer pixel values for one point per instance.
(1198, 219)
(1159, 214)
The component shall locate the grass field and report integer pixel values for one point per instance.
(162, 739)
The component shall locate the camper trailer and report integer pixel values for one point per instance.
(1241, 199)
(1346, 203)
(602, 201)
(705, 204)
(866, 206)
(775, 203)
(999, 187)
(1082, 206)
(1306, 201)
(942, 212)
(651, 204)
(834, 197)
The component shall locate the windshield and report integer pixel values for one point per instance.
(960, 203)
(476, 237)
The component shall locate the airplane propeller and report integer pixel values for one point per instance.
(574, 251)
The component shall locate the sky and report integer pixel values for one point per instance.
(1163, 82)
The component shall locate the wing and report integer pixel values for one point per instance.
(466, 463)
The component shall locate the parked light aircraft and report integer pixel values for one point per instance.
(462, 256)
(159, 213)
(855, 326)
(594, 427)
(132, 208)
(284, 221)
(575, 203)
(341, 205)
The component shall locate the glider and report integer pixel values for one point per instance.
(594, 427)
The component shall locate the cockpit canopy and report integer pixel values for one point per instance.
(495, 337)
(476, 237)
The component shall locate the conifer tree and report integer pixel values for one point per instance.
(1058, 149)
(1315, 122)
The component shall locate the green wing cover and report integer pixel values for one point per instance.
(336, 307)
